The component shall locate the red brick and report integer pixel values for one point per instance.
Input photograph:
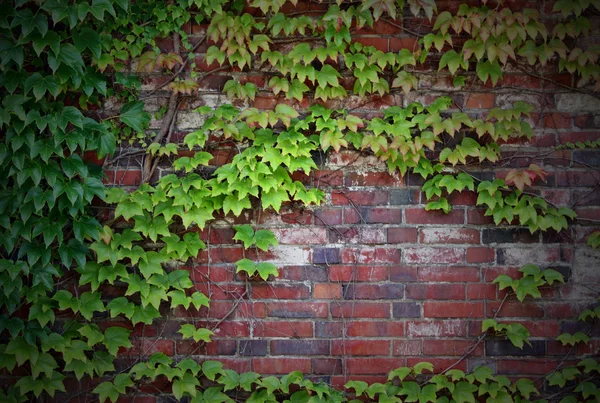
(123, 177)
(407, 347)
(478, 217)
(515, 309)
(464, 198)
(298, 309)
(327, 291)
(326, 366)
(481, 255)
(148, 347)
(360, 310)
(366, 366)
(327, 216)
(403, 273)
(435, 291)
(453, 309)
(370, 255)
(558, 121)
(433, 255)
(373, 179)
(358, 273)
(436, 328)
(449, 235)
(360, 347)
(379, 216)
(279, 291)
(480, 101)
(370, 328)
(481, 291)
(267, 103)
(420, 216)
(563, 310)
(450, 347)
(273, 365)
(439, 364)
(378, 42)
(285, 328)
(573, 177)
(402, 235)
(301, 236)
(324, 177)
(449, 274)
(524, 367)
(374, 291)
(360, 198)
(397, 44)
(222, 291)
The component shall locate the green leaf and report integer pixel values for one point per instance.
(116, 337)
(486, 70)
(105, 391)
(134, 116)
(211, 369)
(265, 269)
(401, 373)
(265, 238)
(464, 392)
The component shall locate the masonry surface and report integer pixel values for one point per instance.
(369, 280)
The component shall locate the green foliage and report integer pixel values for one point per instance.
(533, 278)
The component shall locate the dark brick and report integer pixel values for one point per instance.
(402, 197)
(407, 310)
(328, 329)
(299, 347)
(505, 235)
(254, 348)
(587, 157)
(325, 255)
(505, 347)
(374, 291)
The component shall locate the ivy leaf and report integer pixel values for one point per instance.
(265, 269)
(264, 238)
(244, 233)
(274, 198)
(105, 391)
(134, 116)
(116, 337)
(185, 385)
(211, 369)
(464, 392)
(453, 60)
(327, 75)
(487, 70)
(121, 305)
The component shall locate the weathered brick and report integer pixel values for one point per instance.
(454, 274)
(403, 273)
(328, 216)
(329, 329)
(480, 101)
(301, 236)
(436, 328)
(449, 235)
(480, 255)
(525, 367)
(370, 255)
(373, 179)
(426, 255)
(407, 347)
(378, 365)
(521, 256)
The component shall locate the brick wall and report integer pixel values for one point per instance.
(370, 281)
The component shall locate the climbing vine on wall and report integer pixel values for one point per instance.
(61, 60)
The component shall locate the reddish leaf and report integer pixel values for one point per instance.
(518, 178)
(169, 60)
